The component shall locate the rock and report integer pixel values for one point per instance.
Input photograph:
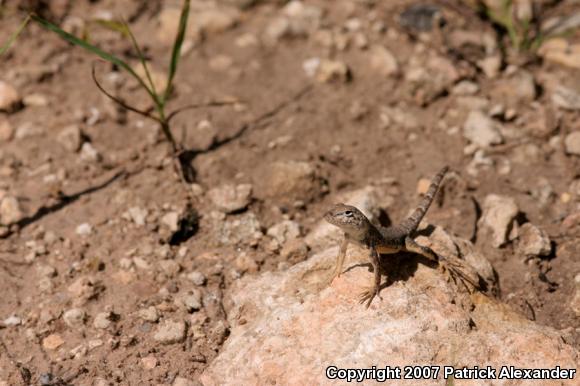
(71, 138)
(84, 229)
(103, 320)
(481, 130)
(292, 321)
(6, 130)
(465, 87)
(170, 332)
(231, 198)
(421, 17)
(297, 20)
(294, 251)
(190, 301)
(89, 153)
(242, 229)
(171, 220)
(35, 100)
(490, 65)
(423, 185)
(138, 215)
(170, 267)
(9, 97)
(519, 88)
(572, 143)
(383, 61)
(332, 71)
(28, 129)
(52, 342)
(149, 314)
(288, 181)
(533, 241)
(558, 50)
(214, 21)
(197, 278)
(149, 362)
(284, 231)
(10, 211)
(566, 98)
(12, 321)
(75, 317)
(499, 213)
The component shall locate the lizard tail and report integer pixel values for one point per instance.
(412, 222)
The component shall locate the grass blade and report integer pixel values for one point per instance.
(13, 37)
(93, 49)
(176, 49)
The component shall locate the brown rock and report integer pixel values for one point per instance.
(52, 342)
(6, 129)
(533, 241)
(288, 181)
(295, 326)
(9, 97)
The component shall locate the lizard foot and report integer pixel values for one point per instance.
(368, 295)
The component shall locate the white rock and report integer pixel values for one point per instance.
(71, 138)
(149, 314)
(572, 143)
(138, 215)
(481, 130)
(102, 320)
(170, 332)
(196, 278)
(171, 220)
(231, 198)
(12, 321)
(74, 317)
(499, 213)
(10, 211)
(84, 229)
(533, 241)
(89, 153)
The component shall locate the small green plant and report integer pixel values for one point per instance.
(159, 98)
(519, 23)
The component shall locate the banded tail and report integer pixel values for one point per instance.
(412, 222)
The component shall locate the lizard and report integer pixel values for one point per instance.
(380, 240)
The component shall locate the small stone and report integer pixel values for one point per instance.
(533, 241)
(103, 320)
(284, 231)
(28, 129)
(197, 278)
(149, 362)
(490, 65)
(221, 63)
(332, 71)
(383, 61)
(294, 251)
(498, 215)
(9, 98)
(566, 98)
(6, 130)
(35, 100)
(84, 229)
(138, 215)
(231, 198)
(481, 130)
(149, 314)
(89, 153)
(465, 87)
(52, 342)
(170, 332)
(170, 267)
(171, 220)
(423, 185)
(242, 229)
(191, 301)
(288, 182)
(572, 143)
(12, 321)
(10, 211)
(71, 138)
(74, 317)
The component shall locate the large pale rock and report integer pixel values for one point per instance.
(499, 213)
(288, 182)
(481, 130)
(288, 327)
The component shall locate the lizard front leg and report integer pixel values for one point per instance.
(340, 259)
(369, 294)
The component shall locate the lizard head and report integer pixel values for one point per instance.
(348, 218)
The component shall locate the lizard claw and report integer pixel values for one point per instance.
(368, 295)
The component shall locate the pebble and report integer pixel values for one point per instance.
(138, 215)
(481, 130)
(149, 362)
(197, 278)
(103, 320)
(170, 267)
(533, 241)
(12, 321)
(35, 100)
(423, 185)
(242, 229)
(490, 65)
(171, 220)
(284, 231)
(190, 301)
(84, 229)
(10, 211)
(231, 198)
(74, 317)
(149, 314)
(9, 97)
(383, 61)
(52, 342)
(566, 98)
(6, 130)
(572, 143)
(465, 87)
(170, 332)
(71, 138)
(499, 213)
(294, 251)
(89, 153)
(332, 71)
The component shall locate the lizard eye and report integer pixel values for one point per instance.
(348, 213)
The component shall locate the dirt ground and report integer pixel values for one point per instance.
(362, 128)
